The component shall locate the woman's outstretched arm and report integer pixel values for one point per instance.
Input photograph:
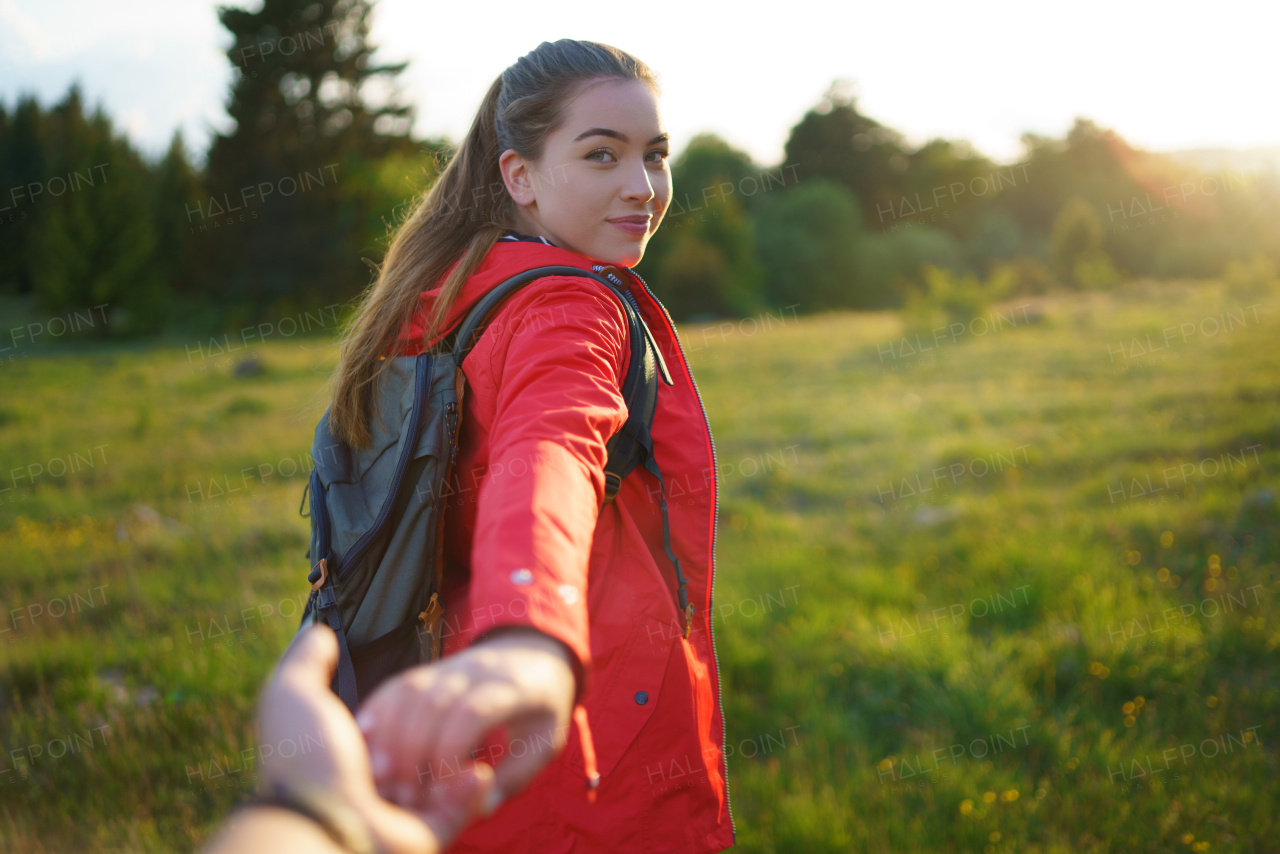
(557, 405)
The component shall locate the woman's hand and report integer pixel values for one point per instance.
(331, 757)
(440, 713)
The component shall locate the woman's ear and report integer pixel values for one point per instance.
(517, 174)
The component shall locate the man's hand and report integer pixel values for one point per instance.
(298, 705)
(438, 713)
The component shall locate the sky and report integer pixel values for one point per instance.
(1167, 76)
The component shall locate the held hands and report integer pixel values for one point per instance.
(440, 713)
(297, 705)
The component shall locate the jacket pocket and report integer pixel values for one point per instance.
(619, 709)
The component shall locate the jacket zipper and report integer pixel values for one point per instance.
(715, 525)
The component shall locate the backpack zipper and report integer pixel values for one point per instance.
(451, 431)
(715, 525)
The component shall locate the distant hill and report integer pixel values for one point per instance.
(1215, 159)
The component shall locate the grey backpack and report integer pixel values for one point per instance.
(378, 513)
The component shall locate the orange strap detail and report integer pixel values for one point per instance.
(588, 752)
(324, 573)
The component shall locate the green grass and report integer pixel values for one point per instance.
(1044, 564)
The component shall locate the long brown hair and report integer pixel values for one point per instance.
(463, 214)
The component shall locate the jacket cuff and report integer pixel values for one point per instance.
(580, 672)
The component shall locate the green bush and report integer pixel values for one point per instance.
(1076, 247)
(710, 265)
(807, 238)
(951, 298)
(1256, 276)
(888, 264)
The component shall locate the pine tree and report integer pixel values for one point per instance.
(88, 238)
(178, 260)
(22, 163)
(285, 215)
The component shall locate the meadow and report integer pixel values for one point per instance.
(1007, 589)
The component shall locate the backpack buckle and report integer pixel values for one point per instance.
(429, 614)
(430, 617)
(612, 483)
(318, 581)
(325, 599)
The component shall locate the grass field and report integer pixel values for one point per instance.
(1015, 592)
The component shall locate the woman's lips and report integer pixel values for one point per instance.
(638, 225)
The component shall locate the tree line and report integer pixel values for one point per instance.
(289, 210)
(855, 217)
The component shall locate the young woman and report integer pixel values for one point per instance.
(563, 633)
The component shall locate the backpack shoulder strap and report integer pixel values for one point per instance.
(639, 389)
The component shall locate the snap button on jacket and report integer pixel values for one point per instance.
(531, 542)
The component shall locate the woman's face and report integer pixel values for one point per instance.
(602, 184)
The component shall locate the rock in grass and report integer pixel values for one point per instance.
(928, 516)
(251, 366)
(142, 519)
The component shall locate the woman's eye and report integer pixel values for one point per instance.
(662, 155)
(600, 155)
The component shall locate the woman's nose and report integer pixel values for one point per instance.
(638, 187)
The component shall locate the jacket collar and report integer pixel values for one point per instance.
(505, 259)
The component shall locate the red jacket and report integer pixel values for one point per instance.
(530, 544)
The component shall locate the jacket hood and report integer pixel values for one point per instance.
(504, 260)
